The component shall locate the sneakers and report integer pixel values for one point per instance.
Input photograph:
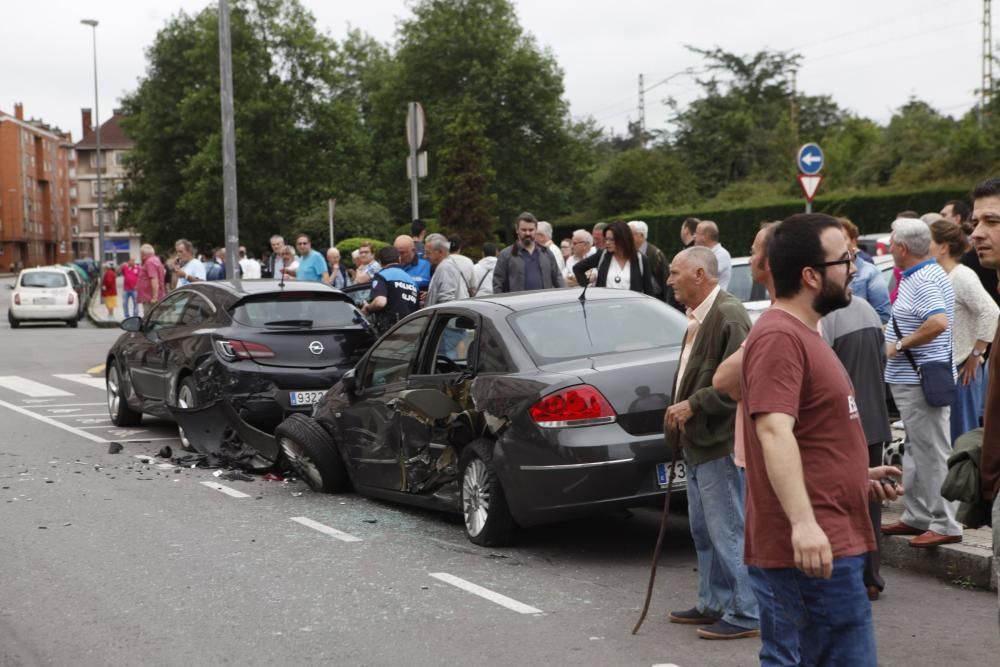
(723, 630)
(692, 617)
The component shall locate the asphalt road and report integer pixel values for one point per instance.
(109, 560)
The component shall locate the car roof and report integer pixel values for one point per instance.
(236, 290)
(551, 297)
(35, 269)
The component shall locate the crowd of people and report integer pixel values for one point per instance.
(782, 423)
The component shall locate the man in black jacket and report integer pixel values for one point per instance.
(658, 265)
(524, 265)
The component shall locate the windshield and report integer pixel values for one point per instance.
(559, 333)
(296, 310)
(43, 279)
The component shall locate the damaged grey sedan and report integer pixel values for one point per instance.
(511, 410)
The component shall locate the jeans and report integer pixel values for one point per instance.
(967, 408)
(715, 512)
(130, 295)
(809, 621)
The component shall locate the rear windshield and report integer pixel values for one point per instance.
(295, 310)
(573, 331)
(43, 279)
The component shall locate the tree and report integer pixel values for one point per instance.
(298, 125)
(466, 204)
(449, 50)
(641, 177)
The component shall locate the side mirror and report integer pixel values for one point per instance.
(348, 381)
(132, 324)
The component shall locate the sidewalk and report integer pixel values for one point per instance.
(968, 563)
(98, 314)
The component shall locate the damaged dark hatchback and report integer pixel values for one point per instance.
(512, 410)
(269, 349)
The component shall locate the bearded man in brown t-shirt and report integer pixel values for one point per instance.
(808, 482)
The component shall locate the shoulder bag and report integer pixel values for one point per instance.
(937, 378)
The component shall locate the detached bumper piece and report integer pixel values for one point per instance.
(223, 439)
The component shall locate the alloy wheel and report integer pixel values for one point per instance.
(301, 463)
(184, 400)
(114, 392)
(476, 496)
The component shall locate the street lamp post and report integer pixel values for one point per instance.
(97, 131)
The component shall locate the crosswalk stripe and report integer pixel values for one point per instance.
(30, 387)
(83, 378)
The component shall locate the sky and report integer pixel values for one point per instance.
(870, 56)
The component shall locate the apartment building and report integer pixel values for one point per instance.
(37, 193)
(118, 244)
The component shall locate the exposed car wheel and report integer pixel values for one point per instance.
(72, 323)
(14, 322)
(488, 521)
(118, 408)
(311, 453)
(186, 399)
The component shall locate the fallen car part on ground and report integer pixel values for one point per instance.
(218, 433)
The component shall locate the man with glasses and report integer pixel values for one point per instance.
(312, 266)
(923, 314)
(808, 481)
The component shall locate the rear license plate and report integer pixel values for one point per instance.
(44, 301)
(663, 473)
(304, 397)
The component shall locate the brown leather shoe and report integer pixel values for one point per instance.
(899, 528)
(932, 539)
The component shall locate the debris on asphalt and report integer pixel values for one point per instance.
(236, 476)
(496, 555)
(296, 493)
(370, 520)
(43, 528)
(145, 461)
(271, 477)
(115, 448)
(165, 452)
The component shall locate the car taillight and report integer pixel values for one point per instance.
(69, 299)
(17, 299)
(880, 248)
(581, 405)
(241, 350)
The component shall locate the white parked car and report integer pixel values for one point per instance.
(44, 294)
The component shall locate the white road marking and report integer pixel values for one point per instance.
(486, 593)
(58, 405)
(37, 400)
(225, 489)
(52, 422)
(152, 460)
(83, 378)
(94, 414)
(30, 387)
(63, 411)
(665, 664)
(326, 530)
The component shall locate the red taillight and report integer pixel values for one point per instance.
(241, 350)
(575, 406)
(69, 299)
(881, 248)
(17, 299)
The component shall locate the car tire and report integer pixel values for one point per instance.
(187, 395)
(118, 407)
(72, 323)
(308, 449)
(14, 322)
(488, 521)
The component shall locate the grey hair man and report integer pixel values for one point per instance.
(152, 285)
(658, 264)
(276, 263)
(707, 236)
(919, 332)
(717, 326)
(447, 283)
(581, 245)
(543, 237)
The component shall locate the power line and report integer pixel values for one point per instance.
(880, 25)
(884, 42)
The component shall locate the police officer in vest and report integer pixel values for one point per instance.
(394, 294)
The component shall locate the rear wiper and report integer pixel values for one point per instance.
(305, 324)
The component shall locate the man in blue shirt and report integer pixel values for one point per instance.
(418, 267)
(312, 266)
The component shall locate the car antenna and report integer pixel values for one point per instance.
(583, 294)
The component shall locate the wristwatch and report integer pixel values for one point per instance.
(899, 345)
(977, 352)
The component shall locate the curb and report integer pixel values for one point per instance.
(959, 564)
(92, 310)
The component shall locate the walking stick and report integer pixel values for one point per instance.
(659, 538)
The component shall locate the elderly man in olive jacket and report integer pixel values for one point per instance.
(702, 421)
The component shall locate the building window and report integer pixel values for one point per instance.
(120, 157)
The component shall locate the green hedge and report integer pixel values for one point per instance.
(871, 212)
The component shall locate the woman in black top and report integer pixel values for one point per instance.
(619, 265)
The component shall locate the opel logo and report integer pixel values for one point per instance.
(316, 347)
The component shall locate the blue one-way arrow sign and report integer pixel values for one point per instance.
(810, 159)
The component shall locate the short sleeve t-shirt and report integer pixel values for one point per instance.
(311, 267)
(789, 368)
(399, 291)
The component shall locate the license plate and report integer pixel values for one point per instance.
(44, 301)
(663, 473)
(304, 397)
